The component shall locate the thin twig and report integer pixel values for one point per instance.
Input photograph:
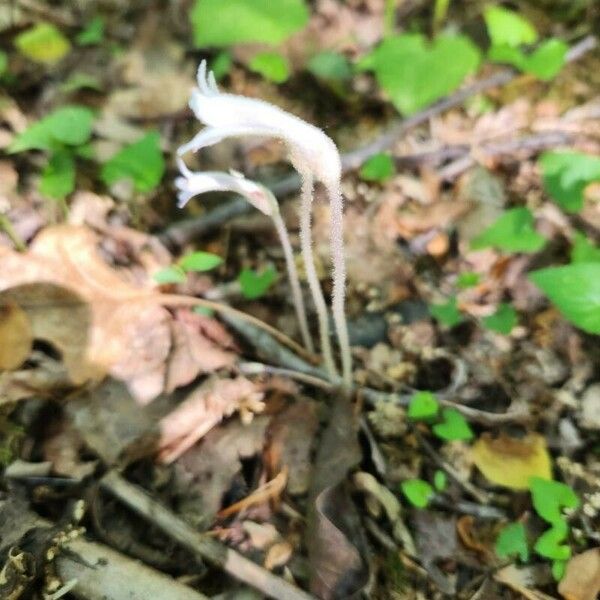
(180, 233)
(210, 550)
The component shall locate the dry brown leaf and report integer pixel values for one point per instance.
(512, 462)
(278, 555)
(204, 408)
(15, 335)
(582, 576)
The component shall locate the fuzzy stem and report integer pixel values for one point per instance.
(284, 238)
(311, 273)
(336, 204)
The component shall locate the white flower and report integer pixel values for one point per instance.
(314, 155)
(192, 184)
(311, 152)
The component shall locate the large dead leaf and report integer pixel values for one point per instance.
(512, 462)
(99, 322)
(582, 577)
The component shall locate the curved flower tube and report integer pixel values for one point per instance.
(314, 155)
(191, 184)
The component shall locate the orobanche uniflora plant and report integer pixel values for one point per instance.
(316, 158)
(191, 184)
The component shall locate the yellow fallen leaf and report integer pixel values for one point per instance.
(511, 462)
(582, 577)
(43, 43)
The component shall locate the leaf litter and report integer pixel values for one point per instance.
(99, 372)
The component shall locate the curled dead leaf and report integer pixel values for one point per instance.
(582, 576)
(511, 462)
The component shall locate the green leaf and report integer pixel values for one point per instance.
(453, 427)
(58, 177)
(141, 162)
(173, 274)
(3, 62)
(544, 62)
(271, 65)
(221, 65)
(71, 125)
(221, 24)
(379, 167)
(447, 314)
(43, 43)
(503, 320)
(417, 492)
(512, 541)
(440, 481)
(467, 280)
(575, 290)
(558, 569)
(550, 497)
(423, 405)
(583, 250)
(79, 81)
(330, 66)
(415, 73)
(92, 33)
(254, 285)
(508, 28)
(567, 174)
(512, 232)
(199, 261)
(549, 544)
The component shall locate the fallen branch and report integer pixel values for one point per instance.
(202, 546)
(182, 232)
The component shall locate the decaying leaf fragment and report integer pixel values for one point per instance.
(511, 462)
(582, 576)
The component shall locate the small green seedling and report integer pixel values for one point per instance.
(550, 543)
(273, 66)
(440, 480)
(512, 232)
(92, 33)
(448, 313)
(423, 405)
(503, 320)
(417, 492)
(453, 426)
(512, 541)
(566, 175)
(254, 285)
(43, 43)
(141, 162)
(549, 498)
(199, 262)
(467, 280)
(379, 167)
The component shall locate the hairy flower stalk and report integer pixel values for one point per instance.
(192, 184)
(314, 155)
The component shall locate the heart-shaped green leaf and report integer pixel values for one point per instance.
(415, 73)
(453, 426)
(199, 261)
(423, 405)
(550, 497)
(417, 491)
(503, 320)
(511, 541)
(575, 290)
(254, 285)
(550, 545)
(512, 232)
